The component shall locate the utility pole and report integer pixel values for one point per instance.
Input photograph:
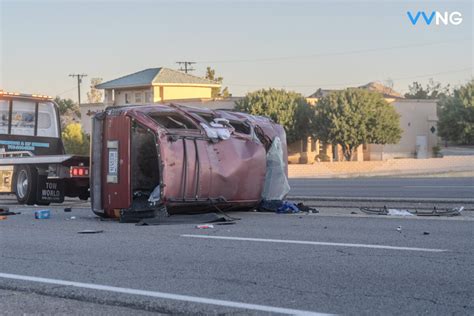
(79, 81)
(186, 64)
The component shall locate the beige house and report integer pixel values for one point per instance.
(156, 85)
(153, 85)
(418, 119)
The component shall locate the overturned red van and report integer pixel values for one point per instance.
(179, 159)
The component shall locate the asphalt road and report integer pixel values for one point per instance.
(385, 187)
(263, 264)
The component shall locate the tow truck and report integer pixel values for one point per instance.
(33, 162)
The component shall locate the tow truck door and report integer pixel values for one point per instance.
(116, 172)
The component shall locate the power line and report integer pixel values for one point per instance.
(79, 81)
(186, 64)
(348, 52)
(66, 91)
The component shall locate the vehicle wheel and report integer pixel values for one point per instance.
(84, 196)
(24, 185)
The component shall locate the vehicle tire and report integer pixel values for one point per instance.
(84, 196)
(24, 184)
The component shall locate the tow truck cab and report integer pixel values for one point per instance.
(33, 161)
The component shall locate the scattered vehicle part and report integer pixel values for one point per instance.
(426, 233)
(178, 219)
(42, 214)
(169, 159)
(399, 229)
(8, 213)
(304, 208)
(276, 173)
(435, 212)
(67, 209)
(72, 217)
(90, 231)
(5, 211)
(374, 211)
(456, 211)
(225, 223)
(397, 212)
(204, 226)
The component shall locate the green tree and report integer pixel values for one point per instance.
(353, 117)
(433, 90)
(217, 92)
(456, 115)
(75, 140)
(67, 106)
(284, 107)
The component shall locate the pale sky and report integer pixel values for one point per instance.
(297, 45)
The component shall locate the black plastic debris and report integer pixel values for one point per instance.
(90, 231)
(5, 211)
(426, 233)
(305, 208)
(186, 219)
(67, 209)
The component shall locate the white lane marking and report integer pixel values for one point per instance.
(317, 243)
(169, 296)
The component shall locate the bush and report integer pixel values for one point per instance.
(75, 141)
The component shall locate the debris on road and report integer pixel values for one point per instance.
(284, 207)
(426, 233)
(67, 209)
(304, 208)
(287, 207)
(90, 231)
(399, 229)
(42, 214)
(5, 211)
(456, 211)
(396, 212)
(3, 217)
(205, 218)
(204, 226)
(405, 212)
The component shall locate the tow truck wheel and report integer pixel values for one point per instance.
(84, 196)
(25, 182)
